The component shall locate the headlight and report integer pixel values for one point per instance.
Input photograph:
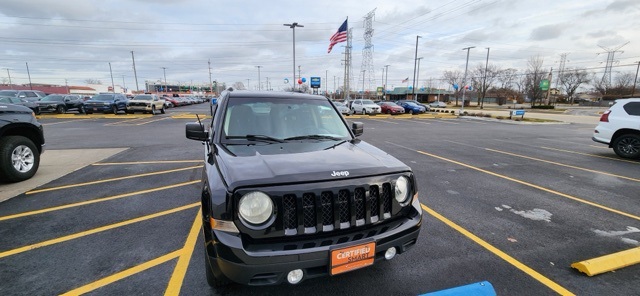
(255, 207)
(106, 103)
(402, 189)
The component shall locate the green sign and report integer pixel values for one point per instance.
(544, 84)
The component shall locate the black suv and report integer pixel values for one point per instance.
(290, 193)
(21, 143)
(61, 103)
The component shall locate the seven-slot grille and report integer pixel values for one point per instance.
(338, 209)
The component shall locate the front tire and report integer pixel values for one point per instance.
(627, 146)
(162, 110)
(153, 110)
(61, 109)
(114, 109)
(19, 158)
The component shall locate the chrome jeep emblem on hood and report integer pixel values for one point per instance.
(340, 174)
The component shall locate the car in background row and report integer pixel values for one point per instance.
(364, 106)
(390, 108)
(342, 108)
(106, 103)
(411, 107)
(18, 101)
(147, 103)
(21, 143)
(619, 128)
(29, 95)
(438, 104)
(61, 103)
(426, 107)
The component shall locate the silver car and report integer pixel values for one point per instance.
(344, 110)
(364, 106)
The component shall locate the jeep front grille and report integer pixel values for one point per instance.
(338, 209)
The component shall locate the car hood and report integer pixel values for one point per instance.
(97, 102)
(311, 161)
(49, 102)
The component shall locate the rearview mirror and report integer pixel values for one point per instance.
(357, 128)
(195, 131)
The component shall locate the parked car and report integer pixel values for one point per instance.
(106, 103)
(364, 106)
(29, 95)
(411, 107)
(61, 103)
(438, 104)
(342, 108)
(172, 101)
(290, 193)
(19, 101)
(619, 128)
(21, 143)
(147, 103)
(426, 107)
(391, 108)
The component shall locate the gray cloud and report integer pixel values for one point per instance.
(547, 32)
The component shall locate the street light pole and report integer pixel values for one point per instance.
(464, 80)
(415, 62)
(363, 74)
(484, 81)
(418, 75)
(165, 78)
(113, 86)
(135, 75)
(293, 26)
(31, 85)
(9, 74)
(259, 86)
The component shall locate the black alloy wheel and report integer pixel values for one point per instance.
(627, 146)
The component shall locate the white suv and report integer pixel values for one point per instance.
(619, 128)
(364, 107)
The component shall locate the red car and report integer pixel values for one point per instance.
(391, 108)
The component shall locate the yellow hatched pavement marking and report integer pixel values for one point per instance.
(177, 278)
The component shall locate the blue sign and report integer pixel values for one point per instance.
(315, 82)
(518, 112)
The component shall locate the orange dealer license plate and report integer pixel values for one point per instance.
(351, 258)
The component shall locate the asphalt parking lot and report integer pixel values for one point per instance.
(511, 204)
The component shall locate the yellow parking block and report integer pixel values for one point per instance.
(609, 262)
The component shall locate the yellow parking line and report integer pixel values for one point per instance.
(60, 122)
(564, 165)
(146, 162)
(146, 122)
(385, 121)
(414, 121)
(533, 186)
(73, 205)
(110, 180)
(123, 274)
(593, 155)
(94, 231)
(122, 122)
(175, 283)
(504, 256)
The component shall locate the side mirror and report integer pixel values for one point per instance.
(195, 131)
(357, 128)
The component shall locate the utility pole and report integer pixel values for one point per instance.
(299, 73)
(610, 60)
(259, 85)
(124, 86)
(135, 75)
(293, 26)
(484, 80)
(546, 101)
(29, 74)
(635, 80)
(464, 79)
(248, 88)
(164, 72)
(386, 77)
(326, 82)
(210, 81)
(418, 76)
(415, 63)
(363, 75)
(113, 86)
(9, 74)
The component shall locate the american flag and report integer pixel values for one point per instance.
(339, 36)
(405, 80)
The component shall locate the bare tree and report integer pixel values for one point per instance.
(572, 79)
(453, 77)
(507, 86)
(624, 80)
(599, 84)
(534, 75)
(485, 80)
(239, 85)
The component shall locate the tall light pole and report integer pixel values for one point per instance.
(259, 86)
(31, 86)
(9, 74)
(386, 77)
(464, 79)
(164, 72)
(418, 75)
(113, 86)
(363, 74)
(293, 26)
(415, 62)
(248, 88)
(484, 81)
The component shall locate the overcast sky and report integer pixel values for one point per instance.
(77, 39)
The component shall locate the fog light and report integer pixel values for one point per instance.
(390, 253)
(294, 276)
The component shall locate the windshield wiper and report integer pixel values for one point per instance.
(257, 138)
(313, 137)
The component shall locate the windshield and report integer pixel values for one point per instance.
(9, 93)
(367, 102)
(103, 97)
(143, 98)
(55, 98)
(282, 119)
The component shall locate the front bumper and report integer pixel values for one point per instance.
(139, 108)
(269, 264)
